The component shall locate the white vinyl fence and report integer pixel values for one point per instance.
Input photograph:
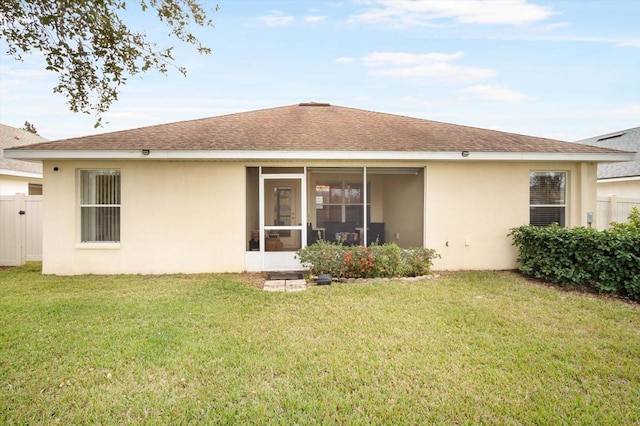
(20, 229)
(614, 209)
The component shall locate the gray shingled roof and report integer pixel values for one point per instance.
(626, 140)
(11, 137)
(316, 127)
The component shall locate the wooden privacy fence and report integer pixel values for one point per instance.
(614, 209)
(20, 229)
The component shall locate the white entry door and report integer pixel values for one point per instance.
(282, 220)
(282, 211)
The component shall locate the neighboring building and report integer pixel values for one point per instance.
(18, 176)
(618, 183)
(621, 179)
(245, 191)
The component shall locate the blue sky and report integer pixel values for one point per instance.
(561, 69)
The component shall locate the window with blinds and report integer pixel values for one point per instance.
(100, 205)
(547, 198)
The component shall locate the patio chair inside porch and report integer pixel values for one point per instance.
(345, 232)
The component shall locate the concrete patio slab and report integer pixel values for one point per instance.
(285, 285)
(274, 285)
(295, 285)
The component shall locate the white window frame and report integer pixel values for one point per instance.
(343, 203)
(81, 205)
(565, 205)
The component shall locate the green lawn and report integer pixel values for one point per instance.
(465, 348)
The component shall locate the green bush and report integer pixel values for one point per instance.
(633, 221)
(609, 260)
(375, 261)
(322, 257)
(357, 262)
(387, 260)
(416, 261)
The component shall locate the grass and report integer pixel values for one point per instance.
(466, 348)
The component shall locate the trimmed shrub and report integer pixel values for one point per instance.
(322, 257)
(386, 260)
(608, 260)
(375, 261)
(416, 261)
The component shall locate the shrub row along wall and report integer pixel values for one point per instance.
(608, 260)
(375, 261)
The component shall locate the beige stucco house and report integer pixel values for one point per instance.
(17, 176)
(245, 191)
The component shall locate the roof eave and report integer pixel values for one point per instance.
(229, 155)
(18, 173)
(619, 179)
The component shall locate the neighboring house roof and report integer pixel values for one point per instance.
(314, 131)
(11, 137)
(627, 140)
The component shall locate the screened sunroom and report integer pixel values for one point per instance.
(291, 207)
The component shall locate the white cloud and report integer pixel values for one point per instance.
(432, 65)
(407, 13)
(623, 42)
(25, 73)
(630, 43)
(553, 26)
(495, 93)
(361, 98)
(442, 71)
(314, 18)
(409, 99)
(276, 19)
(391, 58)
(627, 111)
